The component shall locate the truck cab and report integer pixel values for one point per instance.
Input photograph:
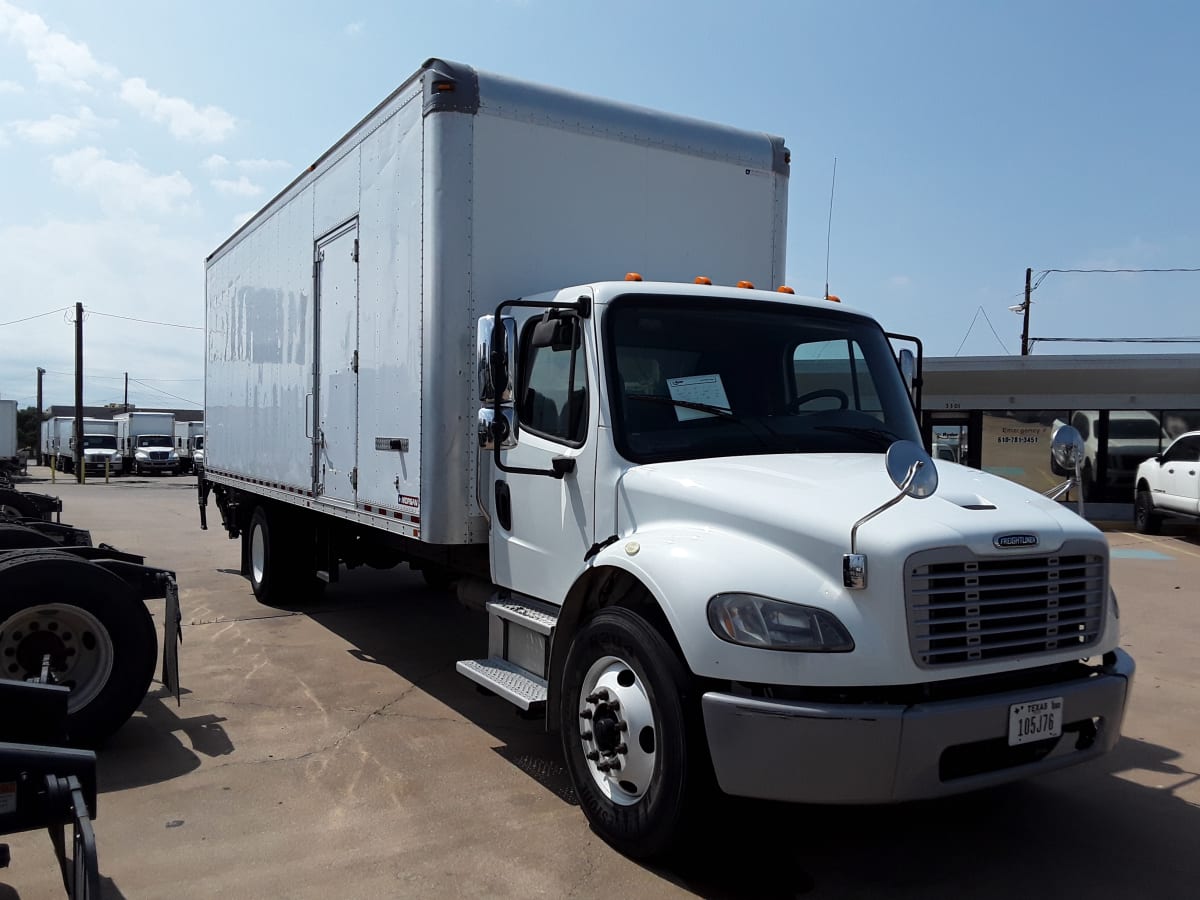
(693, 475)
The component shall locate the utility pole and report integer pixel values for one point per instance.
(40, 373)
(79, 392)
(1025, 327)
(126, 392)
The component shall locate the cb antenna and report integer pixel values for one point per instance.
(829, 227)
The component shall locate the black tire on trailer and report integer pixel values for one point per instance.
(13, 504)
(19, 537)
(99, 636)
(628, 698)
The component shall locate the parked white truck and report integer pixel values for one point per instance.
(8, 435)
(100, 451)
(679, 499)
(189, 445)
(147, 442)
(58, 432)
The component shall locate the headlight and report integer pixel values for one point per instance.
(755, 621)
(141, 454)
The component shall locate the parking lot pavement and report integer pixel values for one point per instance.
(333, 751)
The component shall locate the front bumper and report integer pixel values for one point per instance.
(853, 753)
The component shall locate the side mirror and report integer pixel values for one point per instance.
(911, 469)
(908, 369)
(497, 348)
(1066, 448)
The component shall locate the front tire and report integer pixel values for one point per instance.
(1145, 520)
(100, 638)
(630, 730)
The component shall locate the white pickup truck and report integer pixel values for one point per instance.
(1168, 484)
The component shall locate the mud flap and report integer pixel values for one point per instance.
(172, 638)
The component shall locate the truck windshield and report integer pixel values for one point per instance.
(198, 442)
(153, 440)
(696, 378)
(99, 442)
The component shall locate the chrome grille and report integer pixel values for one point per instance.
(159, 454)
(965, 609)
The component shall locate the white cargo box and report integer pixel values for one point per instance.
(340, 367)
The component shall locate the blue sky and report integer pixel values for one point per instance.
(973, 140)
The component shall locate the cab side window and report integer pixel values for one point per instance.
(1186, 450)
(553, 401)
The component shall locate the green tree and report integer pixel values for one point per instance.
(29, 423)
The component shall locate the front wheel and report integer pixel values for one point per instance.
(629, 731)
(1145, 520)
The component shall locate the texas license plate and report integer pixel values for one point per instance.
(1035, 720)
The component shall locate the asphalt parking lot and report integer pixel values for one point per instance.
(334, 751)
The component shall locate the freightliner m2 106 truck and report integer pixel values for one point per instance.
(679, 496)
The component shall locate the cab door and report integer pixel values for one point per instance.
(542, 525)
(335, 437)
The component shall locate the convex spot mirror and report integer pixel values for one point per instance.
(493, 429)
(911, 469)
(1066, 449)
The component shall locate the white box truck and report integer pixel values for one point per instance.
(189, 445)
(146, 441)
(685, 503)
(100, 451)
(60, 431)
(8, 433)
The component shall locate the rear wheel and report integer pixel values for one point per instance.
(98, 637)
(1145, 519)
(281, 569)
(631, 733)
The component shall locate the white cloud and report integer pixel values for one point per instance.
(354, 29)
(59, 129)
(215, 164)
(241, 187)
(11, 87)
(56, 59)
(121, 187)
(183, 119)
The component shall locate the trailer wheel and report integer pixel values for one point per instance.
(99, 637)
(18, 537)
(625, 713)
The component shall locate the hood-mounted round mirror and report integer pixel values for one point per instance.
(1067, 447)
(911, 469)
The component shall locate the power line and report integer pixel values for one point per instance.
(1042, 274)
(980, 311)
(38, 316)
(147, 321)
(165, 393)
(1121, 340)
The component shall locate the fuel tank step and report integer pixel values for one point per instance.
(518, 686)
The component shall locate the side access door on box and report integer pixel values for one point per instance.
(335, 375)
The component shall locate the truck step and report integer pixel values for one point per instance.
(518, 686)
(537, 617)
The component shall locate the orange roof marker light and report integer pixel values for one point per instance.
(784, 289)
(632, 276)
(833, 298)
(749, 285)
(703, 279)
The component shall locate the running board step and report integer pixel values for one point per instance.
(537, 617)
(518, 686)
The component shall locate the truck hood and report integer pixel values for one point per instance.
(796, 501)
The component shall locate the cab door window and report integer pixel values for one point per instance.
(553, 401)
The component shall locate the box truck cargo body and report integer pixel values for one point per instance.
(146, 441)
(689, 506)
(8, 429)
(189, 445)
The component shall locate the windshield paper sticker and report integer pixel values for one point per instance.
(707, 389)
